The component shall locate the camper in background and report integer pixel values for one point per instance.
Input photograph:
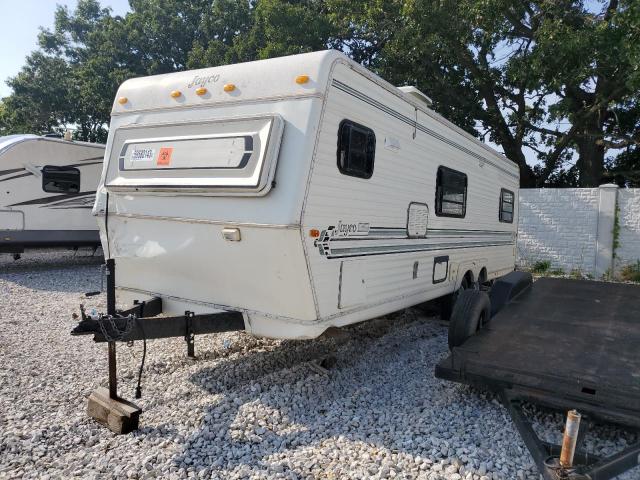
(304, 192)
(47, 190)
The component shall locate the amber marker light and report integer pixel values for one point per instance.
(229, 87)
(176, 93)
(123, 100)
(302, 79)
(201, 91)
(314, 233)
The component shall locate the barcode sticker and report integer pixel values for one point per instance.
(142, 154)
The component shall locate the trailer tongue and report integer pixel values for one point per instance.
(567, 344)
(140, 322)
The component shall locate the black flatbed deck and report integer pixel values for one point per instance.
(563, 343)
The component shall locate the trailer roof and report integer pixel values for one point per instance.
(9, 141)
(259, 80)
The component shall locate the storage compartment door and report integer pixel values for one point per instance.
(353, 289)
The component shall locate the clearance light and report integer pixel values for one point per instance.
(176, 93)
(302, 79)
(123, 100)
(201, 91)
(229, 87)
(314, 233)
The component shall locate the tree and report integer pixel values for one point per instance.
(589, 60)
(516, 69)
(41, 96)
(553, 81)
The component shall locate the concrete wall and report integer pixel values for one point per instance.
(573, 228)
(629, 221)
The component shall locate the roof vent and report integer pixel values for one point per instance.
(417, 95)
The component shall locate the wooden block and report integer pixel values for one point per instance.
(119, 415)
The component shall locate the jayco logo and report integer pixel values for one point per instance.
(203, 81)
(347, 229)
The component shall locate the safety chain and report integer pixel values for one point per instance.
(119, 334)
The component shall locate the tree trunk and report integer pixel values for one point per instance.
(591, 155)
(514, 152)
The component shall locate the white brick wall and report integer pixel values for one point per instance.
(629, 221)
(559, 225)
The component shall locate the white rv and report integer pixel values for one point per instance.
(304, 192)
(47, 190)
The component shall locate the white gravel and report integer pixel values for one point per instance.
(246, 407)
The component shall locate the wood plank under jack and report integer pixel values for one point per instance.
(119, 415)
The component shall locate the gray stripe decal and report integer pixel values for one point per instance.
(13, 170)
(347, 89)
(6, 172)
(51, 199)
(381, 232)
(389, 249)
(16, 176)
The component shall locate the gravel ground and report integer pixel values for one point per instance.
(246, 407)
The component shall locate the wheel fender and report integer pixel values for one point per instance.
(475, 266)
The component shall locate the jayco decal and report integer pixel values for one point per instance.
(343, 230)
(349, 229)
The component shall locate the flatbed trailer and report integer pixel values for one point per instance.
(565, 344)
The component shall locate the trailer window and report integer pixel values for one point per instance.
(505, 213)
(451, 193)
(60, 179)
(356, 149)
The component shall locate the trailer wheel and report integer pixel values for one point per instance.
(470, 312)
(448, 301)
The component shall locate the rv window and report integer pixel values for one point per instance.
(506, 206)
(451, 193)
(60, 179)
(356, 149)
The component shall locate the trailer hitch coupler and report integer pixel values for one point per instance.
(569, 440)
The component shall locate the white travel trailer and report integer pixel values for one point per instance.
(47, 190)
(304, 192)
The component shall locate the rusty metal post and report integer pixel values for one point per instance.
(189, 336)
(570, 438)
(113, 378)
(111, 310)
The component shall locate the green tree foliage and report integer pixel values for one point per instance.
(546, 76)
(555, 81)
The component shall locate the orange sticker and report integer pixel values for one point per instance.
(164, 157)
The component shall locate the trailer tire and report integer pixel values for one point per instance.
(448, 301)
(470, 312)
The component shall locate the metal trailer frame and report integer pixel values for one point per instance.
(140, 322)
(562, 344)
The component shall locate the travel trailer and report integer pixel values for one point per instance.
(303, 192)
(47, 191)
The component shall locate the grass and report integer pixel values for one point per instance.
(541, 267)
(631, 272)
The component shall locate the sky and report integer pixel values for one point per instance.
(19, 27)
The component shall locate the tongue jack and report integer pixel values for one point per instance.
(569, 440)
